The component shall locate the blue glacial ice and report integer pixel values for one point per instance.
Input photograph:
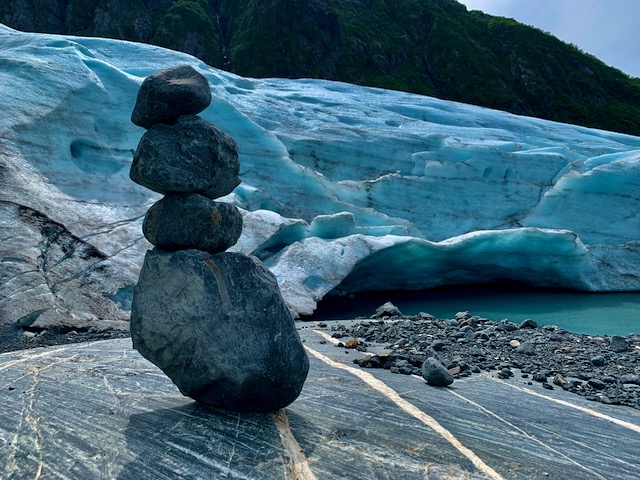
(344, 188)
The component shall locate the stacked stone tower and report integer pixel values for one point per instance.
(213, 321)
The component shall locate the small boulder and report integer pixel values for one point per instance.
(435, 373)
(528, 323)
(191, 221)
(167, 94)
(387, 310)
(190, 156)
(618, 344)
(527, 348)
(218, 327)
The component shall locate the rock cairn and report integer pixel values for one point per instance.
(213, 321)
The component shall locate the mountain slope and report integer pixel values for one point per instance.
(431, 47)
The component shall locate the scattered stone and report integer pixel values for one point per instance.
(201, 319)
(630, 378)
(435, 373)
(470, 322)
(189, 156)
(527, 348)
(561, 382)
(597, 384)
(528, 323)
(598, 361)
(387, 310)
(505, 326)
(438, 345)
(539, 377)
(514, 343)
(351, 343)
(170, 93)
(618, 344)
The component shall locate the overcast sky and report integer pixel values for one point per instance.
(608, 29)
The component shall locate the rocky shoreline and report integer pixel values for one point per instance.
(600, 368)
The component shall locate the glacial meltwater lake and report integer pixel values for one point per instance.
(578, 312)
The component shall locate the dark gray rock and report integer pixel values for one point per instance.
(527, 348)
(190, 156)
(528, 323)
(539, 377)
(630, 378)
(435, 373)
(597, 384)
(387, 310)
(167, 94)
(598, 361)
(618, 344)
(217, 326)
(191, 221)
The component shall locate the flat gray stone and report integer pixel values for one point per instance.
(217, 326)
(167, 94)
(191, 221)
(190, 156)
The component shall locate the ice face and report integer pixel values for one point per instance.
(343, 187)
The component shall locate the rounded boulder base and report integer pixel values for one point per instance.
(167, 94)
(217, 326)
(435, 373)
(191, 221)
(190, 156)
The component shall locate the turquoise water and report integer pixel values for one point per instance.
(578, 312)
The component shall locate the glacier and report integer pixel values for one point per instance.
(344, 188)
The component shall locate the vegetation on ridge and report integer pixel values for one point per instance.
(431, 47)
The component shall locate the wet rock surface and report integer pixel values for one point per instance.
(596, 367)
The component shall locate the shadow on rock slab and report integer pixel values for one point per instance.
(178, 443)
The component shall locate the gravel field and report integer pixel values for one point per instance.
(600, 368)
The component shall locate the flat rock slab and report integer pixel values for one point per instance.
(99, 410)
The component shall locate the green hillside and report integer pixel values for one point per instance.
(432, 47)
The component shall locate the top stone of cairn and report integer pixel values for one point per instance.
(171, 93)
